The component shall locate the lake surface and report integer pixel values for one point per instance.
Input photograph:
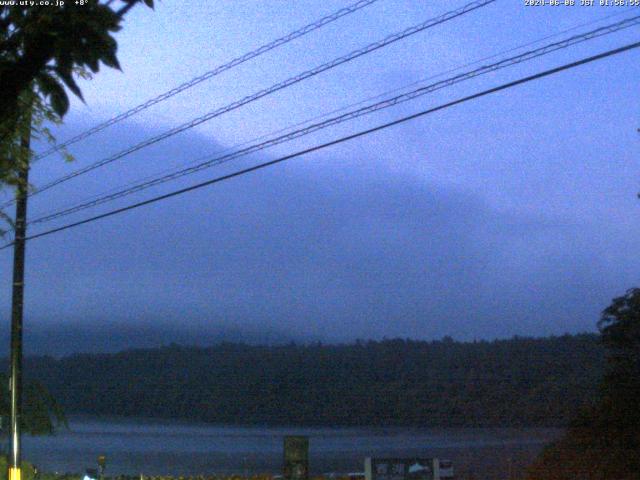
(174, 448)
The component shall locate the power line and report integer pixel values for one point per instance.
(212, 73)
(362, 133)
(274, 88)
(342, 109)
(365, 100)
(387, 103)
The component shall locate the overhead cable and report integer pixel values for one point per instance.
(362, 133)
(268, 91)
(212, 73)
(384, 104)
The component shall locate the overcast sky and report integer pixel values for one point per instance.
(515, 214)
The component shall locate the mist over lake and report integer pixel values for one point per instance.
(160, 447)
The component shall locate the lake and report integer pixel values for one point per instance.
(157, 447)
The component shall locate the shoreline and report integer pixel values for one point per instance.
(192, 449)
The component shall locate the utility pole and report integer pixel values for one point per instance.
(17, 302)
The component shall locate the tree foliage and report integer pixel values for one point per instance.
(14, 156)
(603, 440)
(46, 44)
(521, 381)
(620, 328)
(41, 413)
(44, 49)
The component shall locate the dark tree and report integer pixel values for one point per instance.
(620, 390)
(620, 327)
(603, 441)
(44, 45)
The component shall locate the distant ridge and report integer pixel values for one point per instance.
(97, 337)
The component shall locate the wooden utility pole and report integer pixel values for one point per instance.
(17, 303)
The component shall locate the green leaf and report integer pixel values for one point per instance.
(68, 80)
(51, 88)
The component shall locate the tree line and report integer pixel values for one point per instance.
(516, 382)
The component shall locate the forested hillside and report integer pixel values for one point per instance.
(520, 381)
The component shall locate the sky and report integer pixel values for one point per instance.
(513, 214)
